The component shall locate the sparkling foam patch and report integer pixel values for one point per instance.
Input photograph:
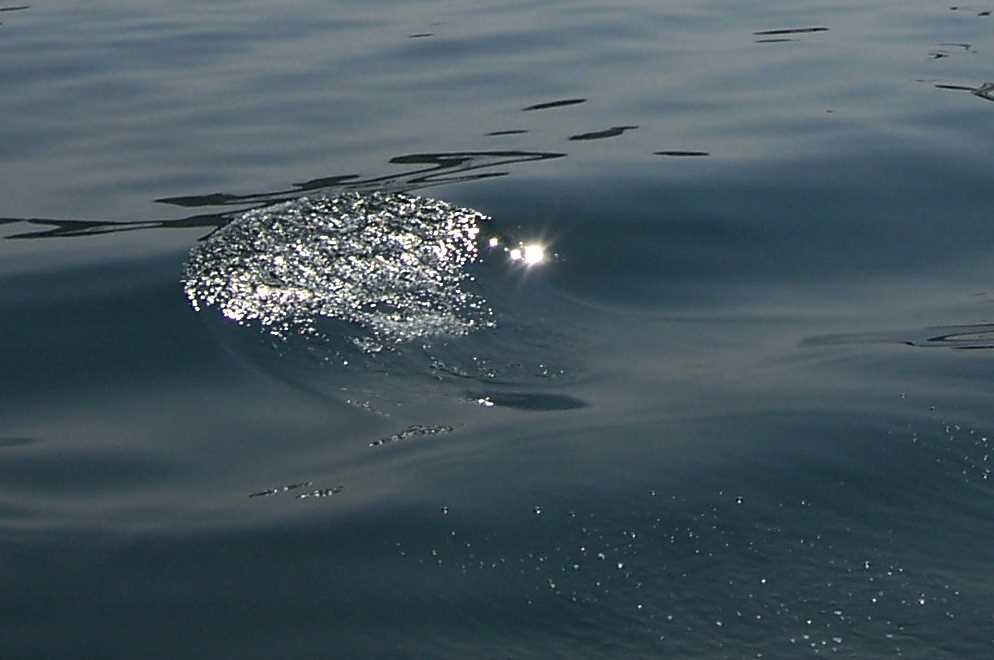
(393, 265)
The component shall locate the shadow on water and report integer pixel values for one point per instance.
(436, 169)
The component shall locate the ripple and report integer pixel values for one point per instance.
(614, 131)
(983, 91)
(979, 336)
(553, 104)
(392, 266)
(530, 401)
(681, 154)
(16, 442)
(790, 31)
(280, 489)
(415, 431)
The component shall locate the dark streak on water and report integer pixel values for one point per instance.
(446, 168)
(614, 131)
(681, 153)
(983, 91)
(554, 104)
(791, 31)
(968, 337)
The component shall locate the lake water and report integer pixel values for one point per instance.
(742, 408)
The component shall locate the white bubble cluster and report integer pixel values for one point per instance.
(394, 265)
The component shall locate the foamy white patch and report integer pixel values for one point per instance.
(394, 265)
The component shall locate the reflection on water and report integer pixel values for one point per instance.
(532, 401)
(979, 12)
(632, 457)
(978, 336)
(943, 50)
(614, 131)
(16, 442)
(321, 492)
(280, 489)
(983, 91)
(393, 265)
(413, 431)
(678, 153)
(444, 168)
(790, 31)
(553, 104)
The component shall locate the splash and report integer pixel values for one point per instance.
(392, 266)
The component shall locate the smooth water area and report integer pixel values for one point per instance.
(739, 405)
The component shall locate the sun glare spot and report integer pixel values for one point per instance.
(534, 254)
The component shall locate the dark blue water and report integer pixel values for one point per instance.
(742, 409)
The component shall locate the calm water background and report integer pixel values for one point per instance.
(744, 412)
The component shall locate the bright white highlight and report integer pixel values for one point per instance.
(534, 253)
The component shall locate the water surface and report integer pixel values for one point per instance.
(741, 408)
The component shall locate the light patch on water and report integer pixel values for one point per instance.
(393, 265)
(415, 431)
